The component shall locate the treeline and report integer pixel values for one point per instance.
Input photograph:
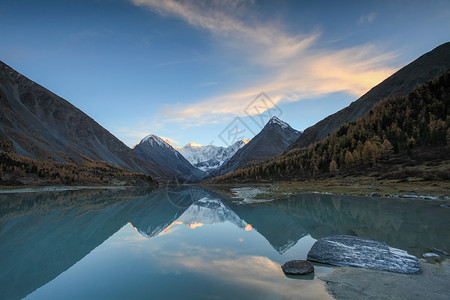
(394, 131)
(21, 170)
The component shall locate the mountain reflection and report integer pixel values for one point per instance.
(412, 225)
(205, 210)
(44, 234)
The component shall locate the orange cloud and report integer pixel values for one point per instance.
(295, 68)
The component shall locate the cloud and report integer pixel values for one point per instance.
(250, 273)
(294, 67)
(367, 19)
(229, 20)
(353, 71)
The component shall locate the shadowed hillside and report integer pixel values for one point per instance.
(423, 69)
(399, 132)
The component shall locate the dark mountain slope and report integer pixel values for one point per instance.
(273, 139)
(401, 137)
(423, 69)
(155, 150)
(38, 124)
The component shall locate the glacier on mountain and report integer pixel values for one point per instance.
(209, 158)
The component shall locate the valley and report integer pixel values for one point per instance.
(232, 149)
(369, 140)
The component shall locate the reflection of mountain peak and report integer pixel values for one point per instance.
(279, 228)
(210, 211)
(206, 210)
(151, 231)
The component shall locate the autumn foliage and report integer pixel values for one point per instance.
(21, 170)
(396, 130)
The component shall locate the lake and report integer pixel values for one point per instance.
(189, 242)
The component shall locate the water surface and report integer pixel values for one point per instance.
(188, 242)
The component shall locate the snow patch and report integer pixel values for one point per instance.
(210, 157)
(276, 120)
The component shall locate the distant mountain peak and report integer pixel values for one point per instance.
(193, 145)
(160, 152)
(273, 139)
(210, 157)
(153, 138)
(276, 120)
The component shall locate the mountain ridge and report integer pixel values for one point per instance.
(406, 79)
(209, 158)
(39, 124)
(400, 138)
(154, 149)
(273, 139)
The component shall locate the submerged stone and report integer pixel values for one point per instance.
(344, 250)
(297, 267)
(431, 255)
(438, 251)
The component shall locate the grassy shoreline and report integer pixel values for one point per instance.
(356, 186)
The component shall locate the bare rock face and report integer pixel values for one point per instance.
(344, 250)
(274, 138)
(155, 150)
(297, 267)
(36, 123)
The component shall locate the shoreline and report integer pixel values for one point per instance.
(411, 189)
(432, 282)
(38, 189)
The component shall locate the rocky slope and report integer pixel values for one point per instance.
(405, 80)
(273, 139)
(36, 123)
(158, 152)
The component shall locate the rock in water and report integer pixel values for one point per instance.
(344, 250)
(297, 267)
(438, 251)
(431, 255)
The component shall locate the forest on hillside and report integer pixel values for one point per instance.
(399, 132)
(17, 170)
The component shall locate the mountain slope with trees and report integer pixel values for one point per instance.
(402, 82)
(18, 170)
(399, 132)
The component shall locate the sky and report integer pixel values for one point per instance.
(212, 72)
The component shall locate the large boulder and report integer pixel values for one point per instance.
(344, 250)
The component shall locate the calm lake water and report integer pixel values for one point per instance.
(188, 242)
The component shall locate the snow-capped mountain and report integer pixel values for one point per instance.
(209, 158)
(154, 149)
(274, 138)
